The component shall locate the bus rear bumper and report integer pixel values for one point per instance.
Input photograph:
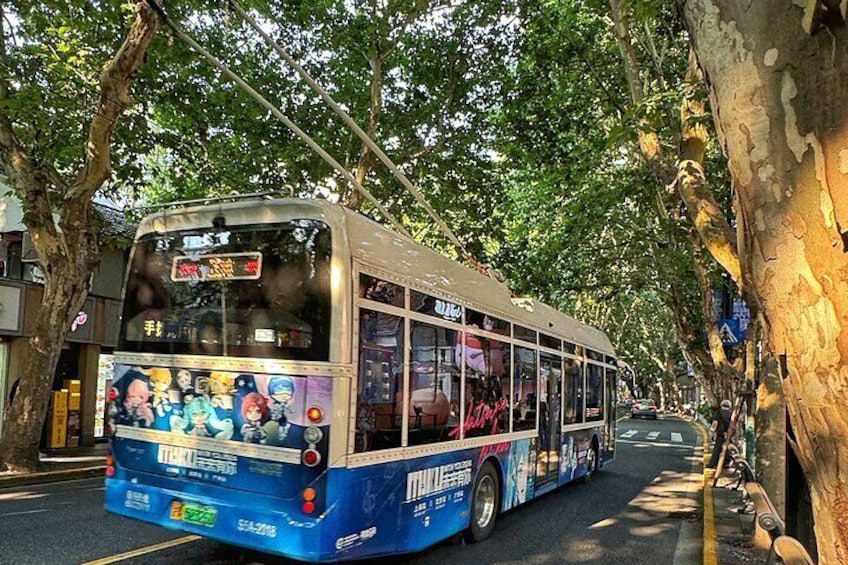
(244, 523)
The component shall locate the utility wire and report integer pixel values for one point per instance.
(358, 131)
(279, 115)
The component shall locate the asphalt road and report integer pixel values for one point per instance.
(632, 512)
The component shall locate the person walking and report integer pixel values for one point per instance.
(719, 426)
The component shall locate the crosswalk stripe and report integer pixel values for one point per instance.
(629, 433)
(653, 435)
(676, 437)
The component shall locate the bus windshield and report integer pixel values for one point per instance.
(241, 291)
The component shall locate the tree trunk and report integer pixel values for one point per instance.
(770, 420)
(68, 251)
(26, 416)
(778, 99)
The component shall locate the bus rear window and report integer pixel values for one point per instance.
(245, 291)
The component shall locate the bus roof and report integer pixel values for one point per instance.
(381, 248)
(384, 250)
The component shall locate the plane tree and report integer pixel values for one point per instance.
(59, 108)
(776, 75)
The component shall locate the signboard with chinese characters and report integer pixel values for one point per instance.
(223, 267)
(105, 370)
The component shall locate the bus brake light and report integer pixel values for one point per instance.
(311, 457)
(314, 414)
(308, 507)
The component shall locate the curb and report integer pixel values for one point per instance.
(710, 537)
(11, 481)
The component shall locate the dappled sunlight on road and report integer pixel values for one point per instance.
(24, 495)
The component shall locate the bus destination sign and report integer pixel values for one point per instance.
(222, 267)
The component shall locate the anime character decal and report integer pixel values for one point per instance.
(200, 419)
(160, 380)
(520, 482)
(138, 410)
(248, 408)
(254, 410)
(281, 391)
(221, 389)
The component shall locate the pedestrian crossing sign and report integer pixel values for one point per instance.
(730, 332)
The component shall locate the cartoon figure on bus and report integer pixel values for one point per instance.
(136, 404)
(200, 419)
(568, 459)
(254, 410)
(281, 391)
(519, 468)
(221, 389)
(160, 380)
(184, 380)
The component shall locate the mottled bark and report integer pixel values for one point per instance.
(778, 98)
(68, 252)
(706, 215)
(770, 418)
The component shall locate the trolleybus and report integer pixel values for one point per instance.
(295, 378)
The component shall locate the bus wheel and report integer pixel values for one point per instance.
(484, 504)
(591, 463)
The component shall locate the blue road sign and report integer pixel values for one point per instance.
(730, 331)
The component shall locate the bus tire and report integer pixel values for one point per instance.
(485, 500)
(591, 463)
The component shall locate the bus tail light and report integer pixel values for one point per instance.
(311, 457)
(308, 507)
(110, 466)
(111, 412)
(312, 435)
(314, 414)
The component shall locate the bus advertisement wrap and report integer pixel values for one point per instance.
(237, 429)
(248, 332)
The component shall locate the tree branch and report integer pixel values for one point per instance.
(115, 83)
(707, 217)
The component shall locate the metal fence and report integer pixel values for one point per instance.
(784, 548)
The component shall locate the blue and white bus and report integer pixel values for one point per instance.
(294, 378)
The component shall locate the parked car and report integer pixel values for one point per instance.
(644, 408)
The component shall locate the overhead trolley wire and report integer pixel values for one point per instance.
(279, 115)
(372, 145)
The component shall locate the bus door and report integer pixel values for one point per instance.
(609, 435)
(550, 421)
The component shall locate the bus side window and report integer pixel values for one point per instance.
(378, 419)
(594, 393)
(573, 392)
(524, 390)
(487, 363)
(434, 385)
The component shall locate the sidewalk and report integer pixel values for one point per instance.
(81, 463)
(734, 530)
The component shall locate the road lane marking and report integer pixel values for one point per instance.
(143, 550)
(653, 435)
(629, 433)
(710, 540)
(653, 443)
(676, 437)
(22, 512)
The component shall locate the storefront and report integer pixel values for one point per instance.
(11, 308)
